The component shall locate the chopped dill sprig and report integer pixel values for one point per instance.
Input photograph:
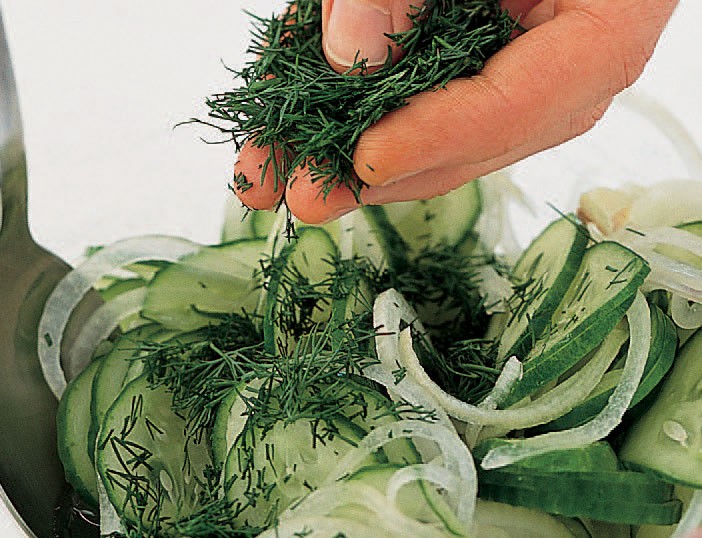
(200, 368)
(291, 101)
(466, 369)
(442, 284)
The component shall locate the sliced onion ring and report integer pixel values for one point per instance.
(325, 500)
(73, 287)
(456, 458)
(101, 325)
(692, 518)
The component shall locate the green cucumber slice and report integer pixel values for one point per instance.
(216, 280)
(667, 439)
(266, 471)
(500, 520)
(664, 342)
(600, 504)
(151, 469)
(596, 300)
(419, 500)
(578, 482)
(541, 277)
(445, 220)
(593, 457)
(117, 369)
(229, 422)
(73, 420)
(303, 264)
(272, 465)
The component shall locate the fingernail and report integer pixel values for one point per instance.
(357, 30)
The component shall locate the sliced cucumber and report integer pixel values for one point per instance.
(585, 482)
(597, 503)
(73, 420)
(216, 280)
(270, 466)
(419, 500)
(152, 471)
(596, 300)
(304, 265)
(541, 277)
(664, 342)
(266, 471)
(593, 457)
(229, 421)
(118, 368)
(667, 439)
(500, 520)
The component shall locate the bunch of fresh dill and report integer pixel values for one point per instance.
(290, 99)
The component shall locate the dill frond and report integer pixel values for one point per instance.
(291, 101)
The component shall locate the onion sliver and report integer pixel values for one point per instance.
(73, 287)
(692, 518)
(325, 500)
(390, 310)
(686, 315)
(456, 458)
(599, 427)
(510, 374)
(100, 325)
(668, 235)
(494, 289)
(427, 472)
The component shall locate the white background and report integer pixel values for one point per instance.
(103, 83)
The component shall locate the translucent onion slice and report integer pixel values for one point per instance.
(494, 225)
(326, 500)
(390, 311)
(685, 314)
(426, 472)
(664, 235)
(494, 289)
(599, 427)
(692, 518)
(556, 402)
(510, 374)
(455, 457)
(100, 326)
(73, 287)
(110, 522)
(668, 203)
(666, 273)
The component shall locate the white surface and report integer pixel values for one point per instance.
(103, 83)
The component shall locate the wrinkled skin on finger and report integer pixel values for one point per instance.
(547, 86)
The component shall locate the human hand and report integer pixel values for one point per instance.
(547, 86)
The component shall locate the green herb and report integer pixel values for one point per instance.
(293, 102)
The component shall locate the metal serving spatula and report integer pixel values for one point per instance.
(31, 477)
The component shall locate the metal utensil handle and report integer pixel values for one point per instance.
(11, 144)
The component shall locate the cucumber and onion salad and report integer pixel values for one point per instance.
(389, 374)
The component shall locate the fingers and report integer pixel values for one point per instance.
(356, 29)
(255, 183)
(306, 203)
(585, 54)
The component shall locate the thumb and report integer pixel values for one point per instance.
(357, 29)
